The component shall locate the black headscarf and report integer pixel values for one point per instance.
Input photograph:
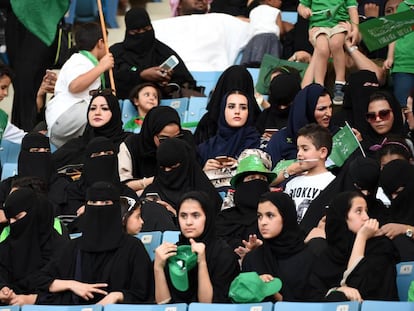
(291, 239)
(142, 146)
(30, 235)
(73, 152)
(235, 77)
(38, 164)
(396, 174)
(142, 43)
(283, 89)
(188, 176)
(230, 141)
(101, 224)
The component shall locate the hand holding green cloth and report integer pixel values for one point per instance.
(40, 17)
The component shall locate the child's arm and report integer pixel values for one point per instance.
(354, 18)
(82, 82)
(390, 56)
(304, 11)
(280, 24)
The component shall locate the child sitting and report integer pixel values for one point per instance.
(314, 144)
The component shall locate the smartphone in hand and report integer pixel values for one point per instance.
(170, 63)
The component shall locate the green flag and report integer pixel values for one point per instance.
(267, 65)
(344, 143)
(379, 32)
(40, 17)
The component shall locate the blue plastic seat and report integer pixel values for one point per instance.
(9, 152)
(152, 307)
(317, 306)
(371, 305)
(405, 275)
(261, 306)
(208, 79)
(151, 241)
(179, 104)
(254, 72)
(86, 11)
(61, 308)
(8, 170)
(128, 111)
(170, 236)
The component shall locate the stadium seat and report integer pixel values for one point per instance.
(170, 236)
(8, 170)
(151, 241)
(371, 305)
(262, 306)
(196, 110)
(405, 275)
(208, 79)
(179, 104)
(10, 308)
(152, 307)
(61, 308)
(254, 72)
(128, 111)
(9, 152)
(317, 306)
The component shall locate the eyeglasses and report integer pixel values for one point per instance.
(104, 92)
(163, 138)
(384, 115)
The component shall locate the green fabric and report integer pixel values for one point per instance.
(3, 122)
(328, 13)
(403, 54)
(411, 292)
(40, 17)
(57, 225)
(269, 63)
(4, 234)
(379, 32)
(282, 165)
(94, 61)
(131, 125)
(344, 143)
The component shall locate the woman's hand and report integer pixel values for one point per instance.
(111, 298)
(163, 252)
(350, 293)
(200, 249)
(214, 164)
(86, 290)
(167, 206)
(369, 229)
(392, 230)
(253, 243)
(156, 74)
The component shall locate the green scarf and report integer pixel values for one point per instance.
(94, 61)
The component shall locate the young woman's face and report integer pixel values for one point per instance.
(99, 112)
(237, 110)
(146, 100)
(380, 116)
(323, 111)
(5, 82)
(270, 221)
(134, 222)
(191, 218)
(169, 131)
(357, 214)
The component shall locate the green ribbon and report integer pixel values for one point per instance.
(94, 61)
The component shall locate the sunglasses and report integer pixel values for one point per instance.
(104, 92)
(382, 114)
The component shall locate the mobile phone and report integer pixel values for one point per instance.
(271, 131)
(222, 159)
(152, 196)
(170, 63)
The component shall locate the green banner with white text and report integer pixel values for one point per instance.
(381, 31)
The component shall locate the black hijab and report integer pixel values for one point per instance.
(235, 77)
(396, 174)
(32, 163)
(188, 176)
(230, 141)
(73, 152)
(142, 146)
(282, 91)
(101, 224)
(29, 236)
(291, 239)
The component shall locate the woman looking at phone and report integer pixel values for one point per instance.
(139, 57)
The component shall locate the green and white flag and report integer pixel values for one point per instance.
(379, 32)
(344, 143)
